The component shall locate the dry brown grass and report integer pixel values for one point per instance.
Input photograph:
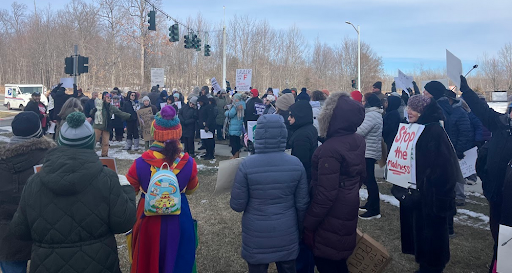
(7, 114)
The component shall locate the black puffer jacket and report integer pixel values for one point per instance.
(457, 126)
(71, 210)
(33, 106)
(304, 141)
(188, 119)
(16, 166)
(391, 120)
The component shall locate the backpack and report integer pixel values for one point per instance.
(163, 196)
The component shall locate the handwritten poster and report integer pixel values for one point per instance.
(157, 77)
(145, 118)
(215, 85)
(251, 127)
(467, 164)
(243, 79)
(504, 249)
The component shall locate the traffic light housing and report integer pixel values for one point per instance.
(151, 20)
(198, 44)
(83, 65)
(207, 50)
(228, 86)
(68, 69)
(354, 84)
(187, 41)
(174, 34)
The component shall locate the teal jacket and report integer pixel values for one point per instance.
(235, 124)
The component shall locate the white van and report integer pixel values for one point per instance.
(18, 95)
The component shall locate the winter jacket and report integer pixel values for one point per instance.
(273, 197)
(478, 128)
(59, 98)
(304, 140)
(317, 107)
(500, 145)
(391, 120)
(33, 106)
(211, 114)
(285, 115)
(235, 123)
(506, 212)
(107, 111)
(154, 96)
(71, 210)
(371, 130)
(221, 108)
(401, 107)
(89, 105)
(383, 98)
(153, 108)
(128, 108)
(457, 126)
(338, 171)
(250, 110)
(16, 166)
(188, 119)
(162, 98)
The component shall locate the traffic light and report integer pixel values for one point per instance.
(151, 20)
(198, 44)
(174, 34)
(354, 84)
(68, 69)
(187, 41)
(83, 65)
(228, 86)
(206, 50)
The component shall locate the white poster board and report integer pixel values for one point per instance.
(162, 105)
(403, 81)
(504, 249)
(251, 127)
(178, 104)
(226, 175)
(467, 164)
(157, 77)
(443, 81)
(499, 96)
(67, 82)
(206, 135)
(243, 79)
(401, 164)
(276, 92)
(453, 68)
(215, 85)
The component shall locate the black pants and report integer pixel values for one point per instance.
(282, 267)
(373, 204)
(209, 144)
(189, 145)
(234, 142)
(219, 132)
(494, 221)
(132, 131)
(331, 266)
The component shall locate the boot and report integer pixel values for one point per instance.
(136, 144)
(128, 145)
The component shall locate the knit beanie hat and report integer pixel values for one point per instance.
(303, 96)
(254, 93)
(176, 95)
(166, 125)
(357, 96)
(378, 85)
(193, 100)
(27, 124)
(285, 101)
(418, 103)
(145, 98)
(76, 132)
(436, 89)
(326, 92)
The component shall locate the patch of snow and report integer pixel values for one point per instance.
(213, 161)
(118, 153)
(6, 128)
(473, 214)
(204, 201)
(476, 194)
(201, 167)
(468, 221)
(363, 194)
(4, 139)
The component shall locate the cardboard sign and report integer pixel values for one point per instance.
(215, 85)
(251, 127)
(108, 162)
(146, 117)
(403, 81)
(467, 164)
(504, 249)
(67, 82)
(243, 79)
(206, 135)
(453, 68)
(369, 256)
(226, 175)
(157, 77)
(401, 163)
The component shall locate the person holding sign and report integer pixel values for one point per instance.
(424, 213)
(236, 123)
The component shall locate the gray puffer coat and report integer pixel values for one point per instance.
(371, 130)
(272, 191)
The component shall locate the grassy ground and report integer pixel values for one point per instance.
(7, 114)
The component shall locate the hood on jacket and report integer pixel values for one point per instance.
(68, 171)
(340, 116)
(432, 113)
(316, 104)
(302, 112)
(26, 147)
(394, 103)
(164, 95)
(270, 135)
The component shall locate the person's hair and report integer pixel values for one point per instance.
(372, 100)
(129, 94)
(318, 95)
(105, 94)
(94, 93)
(71, 103)
(212, 101)
(171, 149)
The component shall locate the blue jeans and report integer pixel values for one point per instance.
(13, 266)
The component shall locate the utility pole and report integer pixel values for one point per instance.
(359, 59)
(75, 64)
(224, 52)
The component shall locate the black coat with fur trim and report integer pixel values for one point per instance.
(16, 166)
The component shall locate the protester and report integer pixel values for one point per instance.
(497, 162)
(401, 107)
(294, 92)
(283, 104)
(221, 101)
(425, 212)
(71, 105)
(371, 130)
(154, 96)
(303, 96)
(236, 124)
(477, 128)
(338, 171)
(250, 110)
(146, 103)
(117, 124)
(102, 113)
(270, 91)
(357, 96)
(391, 121)
(377, 90)
(317, 101)
(35, 105)
(202, 115)
(170, 236)
(73, 206)
(131, 106)
(162, 98)
(209, 126)
(188, 120)
(59, 97)
(89, 106)
(326, 92)
(270, 105)
(27, 148)
(270, 233)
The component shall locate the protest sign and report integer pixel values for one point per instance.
(453, 68)
(163, 104)
(67, 82)
(251, 127)
(369, 256)
(226, 175)
(206, 135)
(178, 104)
(443, 81)
(157, 77)
(403, 81)
(504, 249)
(401, 163)
(215, 85)
(243, 79)
(276, 92)
(260, 108)
(51, 130)
(108, 162)
(467, 164)
(146, 117)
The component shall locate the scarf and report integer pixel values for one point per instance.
(98, 116)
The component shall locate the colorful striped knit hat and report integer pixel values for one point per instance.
(76, 132)
(166, 125)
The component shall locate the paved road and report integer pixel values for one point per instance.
(5, 121)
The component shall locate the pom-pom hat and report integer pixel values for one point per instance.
(418, 103)
(166, 125)
(76, 132)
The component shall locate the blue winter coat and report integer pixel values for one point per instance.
(271, 189)
(235, 124)
(457, 125)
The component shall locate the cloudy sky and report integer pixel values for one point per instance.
(407, 34)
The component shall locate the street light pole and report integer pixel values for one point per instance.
(224, 52)
(358, 30)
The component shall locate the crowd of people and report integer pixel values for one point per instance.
(301, 215)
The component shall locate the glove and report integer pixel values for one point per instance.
(309, 238)
(460, 156)
(463, 84)
(123, 181)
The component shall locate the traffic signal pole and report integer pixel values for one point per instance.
(224, 52)
(75, 64)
